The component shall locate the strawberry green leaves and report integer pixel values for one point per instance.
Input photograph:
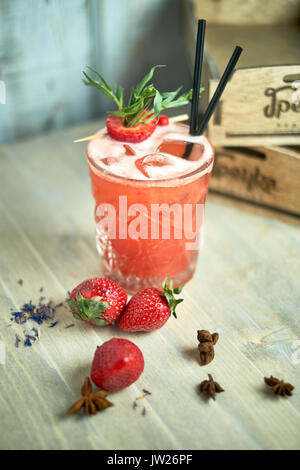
(169, 292)
(145, 102)
(88, 309)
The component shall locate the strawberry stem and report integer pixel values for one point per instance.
(88, 309)
(169, 292)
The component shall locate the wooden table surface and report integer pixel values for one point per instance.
(246, 287)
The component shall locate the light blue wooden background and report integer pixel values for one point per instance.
(45, 44)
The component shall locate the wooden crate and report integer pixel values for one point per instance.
(268, 176)
(252, 168)
(266, 44)
(249, 12)
(260, 106)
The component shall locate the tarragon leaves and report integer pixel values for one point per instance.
(157, 104)
(139, 88)
(145, 102)
(101, 84)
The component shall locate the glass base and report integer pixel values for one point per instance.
(133, 284)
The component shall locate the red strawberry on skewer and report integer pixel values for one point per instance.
(98, 301)
(150, 308)
(163, 120)
(118, 131)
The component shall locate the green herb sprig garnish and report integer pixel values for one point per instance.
(145, 102)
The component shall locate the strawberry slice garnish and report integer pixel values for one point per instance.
(134, 134)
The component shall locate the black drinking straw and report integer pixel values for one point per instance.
(220, 88)
(197, 75)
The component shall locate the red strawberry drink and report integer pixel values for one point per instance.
(149, 180)
(155, 190)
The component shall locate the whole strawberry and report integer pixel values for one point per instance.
(117, 364)
(150, 308)
(98, 301)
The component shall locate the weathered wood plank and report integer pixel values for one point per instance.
(67, 354)
(246, 286)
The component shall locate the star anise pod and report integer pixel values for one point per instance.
(92, 402)
(279, 387)
(206, 346)
(210, 387)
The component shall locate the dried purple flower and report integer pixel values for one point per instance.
(37, 313)
(18, 340)
(19, 317)
(27, 342)
(36, 333)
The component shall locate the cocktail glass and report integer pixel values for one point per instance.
(157, 226)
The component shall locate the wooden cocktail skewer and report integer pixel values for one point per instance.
(88, 138)
(180, 117)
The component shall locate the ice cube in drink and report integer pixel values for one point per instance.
(191, 151)
(161, 179)
(152, 165)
